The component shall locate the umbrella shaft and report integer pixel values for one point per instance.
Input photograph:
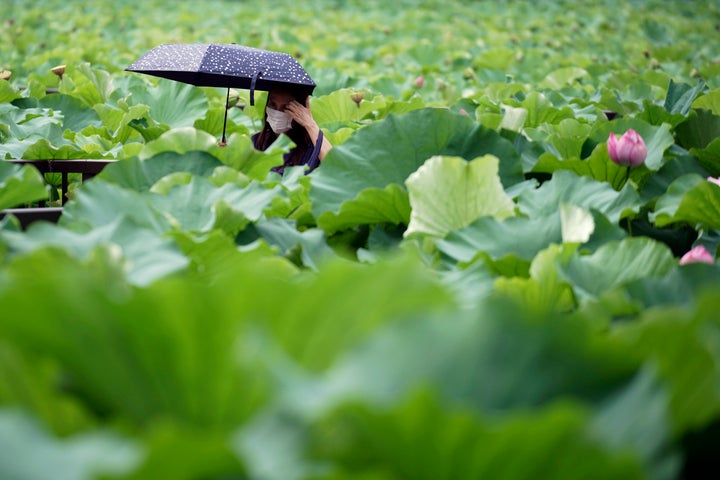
(227, 106)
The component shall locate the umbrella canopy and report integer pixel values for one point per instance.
(225, 65)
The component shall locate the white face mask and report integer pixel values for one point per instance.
(280, 122)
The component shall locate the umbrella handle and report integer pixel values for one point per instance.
(252, 87)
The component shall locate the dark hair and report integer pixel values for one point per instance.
(297, 133)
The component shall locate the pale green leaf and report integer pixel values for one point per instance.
(448, 193)
(20, 184)
(577, 224)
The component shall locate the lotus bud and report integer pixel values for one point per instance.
(716, 181)
(629, 150)
(59, 71)
(419, 82)
(232, 99)
(357, 97)
(5, 74)
(698, 254)
(462, 111)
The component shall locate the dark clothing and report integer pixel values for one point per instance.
(310, 156)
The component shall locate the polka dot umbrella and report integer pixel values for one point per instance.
(224, 65)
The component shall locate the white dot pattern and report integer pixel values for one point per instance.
(222, 65)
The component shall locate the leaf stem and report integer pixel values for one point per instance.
(627, 179)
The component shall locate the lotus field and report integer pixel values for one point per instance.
(506, 268)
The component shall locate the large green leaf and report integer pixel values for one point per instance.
(658, 183)
(138, 174)
(215, 255)
(709, 157)
(8, 93)
(193, 204)
(407, 142)
(187, 454)
(371, 206)
(20, 184)
(541, 111)
(568, 137)
(421, 438)
(566, 187)
(617, 263)
(143, 255)
(120, 119)
(31, 384)
(100, 86)
(311, 243)
(680, 96)
(709, 101)
(701, 128)
(75, 115)
(28, 126)
(43, 149)
(101, 203)
(502, 341)
(690, 199)
(323, 315)
(563, 76)
(175, 104)
(679, 287)
(180, 140)
(242, 155)
(200, 205)
(638, 419)
(501, 344)
(676, 341)
(448, 193)
(545, 290)
(29, 452)
(338, 106)
(520, 236)
(471, 283)
(166, 352)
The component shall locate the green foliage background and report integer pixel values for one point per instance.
(467, 287)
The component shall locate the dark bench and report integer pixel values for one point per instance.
(86, 168)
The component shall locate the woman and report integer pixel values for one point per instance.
(289, 113)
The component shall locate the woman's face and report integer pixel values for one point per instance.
(278, 100)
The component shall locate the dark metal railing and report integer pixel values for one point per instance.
(86, 168)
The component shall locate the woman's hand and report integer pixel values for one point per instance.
(303, 116)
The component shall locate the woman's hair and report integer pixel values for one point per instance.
(297, 133)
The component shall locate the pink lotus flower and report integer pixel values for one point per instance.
(716, 181)
(419, 82)
(698, 254)
(629, 151)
